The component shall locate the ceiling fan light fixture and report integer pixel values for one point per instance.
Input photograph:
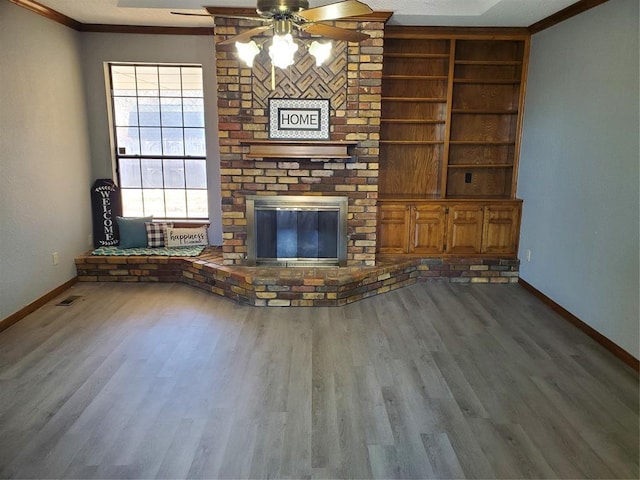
(247, 52)
(282, 50)
(320, 51)
(283, 16)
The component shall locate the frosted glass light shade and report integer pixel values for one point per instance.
(247, 52)
(282, 50)
(320, 51)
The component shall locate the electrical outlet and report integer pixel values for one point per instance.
(54, 258)
(90, 240)
(528, 255)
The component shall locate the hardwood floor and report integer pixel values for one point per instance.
(430, 381)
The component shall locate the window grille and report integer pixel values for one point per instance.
(158, 125)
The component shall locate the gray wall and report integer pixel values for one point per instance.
(98, 48)
(44, 157)
(579, 169)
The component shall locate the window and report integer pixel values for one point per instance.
(158, 125)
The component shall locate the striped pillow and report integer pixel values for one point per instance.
(155, 233)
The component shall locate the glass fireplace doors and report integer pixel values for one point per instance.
(296, 230)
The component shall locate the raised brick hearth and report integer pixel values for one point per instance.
(277, 286)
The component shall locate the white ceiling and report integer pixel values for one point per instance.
(495, 13)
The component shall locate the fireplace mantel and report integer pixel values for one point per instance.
(314, 149)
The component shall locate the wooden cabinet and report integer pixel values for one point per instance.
(464, 229)
(407, 228)
(427, 229)
(441, 227)
(500, 230)
(393, 228)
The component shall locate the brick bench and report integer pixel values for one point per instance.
(299, 286)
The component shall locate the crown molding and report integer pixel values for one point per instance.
(415, 32)
(145, 29)
(62, 19)
(49, 13)
(564, 14)
(377, 16)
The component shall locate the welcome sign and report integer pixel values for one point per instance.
(106, 205)
(298, 119)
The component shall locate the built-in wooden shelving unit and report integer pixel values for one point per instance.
(450, 132)
(485, 121)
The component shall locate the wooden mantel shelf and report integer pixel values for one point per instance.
(317, 149)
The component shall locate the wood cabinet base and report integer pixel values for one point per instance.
(449, 227)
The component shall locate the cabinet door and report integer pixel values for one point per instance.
(500, 229)
(393, 228)
(427, 229)
(464, 229)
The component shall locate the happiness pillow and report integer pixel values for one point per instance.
(182, 237)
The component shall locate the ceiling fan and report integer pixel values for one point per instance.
(284, 15)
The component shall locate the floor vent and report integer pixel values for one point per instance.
(68, 301)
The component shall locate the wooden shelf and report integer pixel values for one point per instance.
(481, 81)
(471, 198)
(415, 99)
(415, 77)
(497, 63)
(317, 149)
(480, 165)
(417, 55)
(411, 142)
(436, 198)
(463, 111)
(412, 121)
(480, 142)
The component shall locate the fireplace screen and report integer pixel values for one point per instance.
(296, 231)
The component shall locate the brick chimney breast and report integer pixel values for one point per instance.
(352, 81)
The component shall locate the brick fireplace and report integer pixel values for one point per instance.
(351, 80)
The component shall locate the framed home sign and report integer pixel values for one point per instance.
(298, 119)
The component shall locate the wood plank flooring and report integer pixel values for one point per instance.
(430, 381)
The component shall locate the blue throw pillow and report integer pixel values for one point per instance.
(133, 233)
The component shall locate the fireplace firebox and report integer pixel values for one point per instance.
(288, 230)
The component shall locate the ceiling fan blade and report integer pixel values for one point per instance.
(243, 14)
(245, 36)
(334, 32)
(333, 11)
(186, 14)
